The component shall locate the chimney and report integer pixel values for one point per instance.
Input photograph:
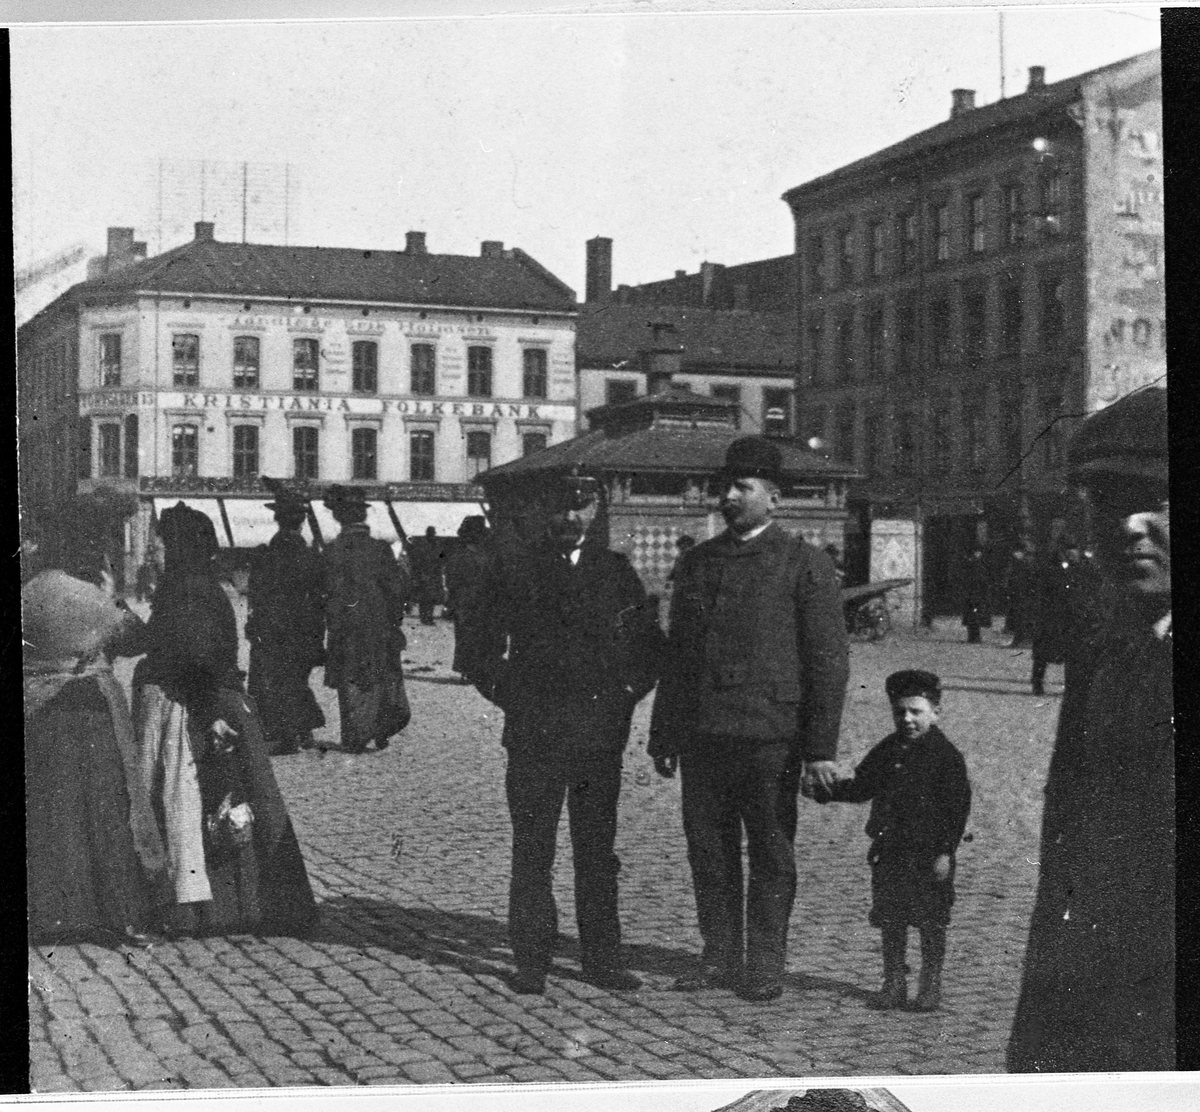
(681, 274)
(492, 249)
(599, 269)
(414, 243)
(205, 231)
(624, 295)
(139, 250)
(120, 242)
(964, 101)
(1037, 78)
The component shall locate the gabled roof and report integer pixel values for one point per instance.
(971, 124)
(510, 280)
(609, 333)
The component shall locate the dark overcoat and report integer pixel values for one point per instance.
(757, 647)
(583, 646)
(1099, 980)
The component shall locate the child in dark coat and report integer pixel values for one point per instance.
(917, 782)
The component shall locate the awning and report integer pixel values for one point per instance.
(253, 524)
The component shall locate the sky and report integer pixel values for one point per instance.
(674, 134)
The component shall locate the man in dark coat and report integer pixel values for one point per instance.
(582, 650)
(426, 557)
(1099, 980)
(750, 699)
(286, 631)
(1019, 586)
(976, 612)
(466, 570)
(366, 592)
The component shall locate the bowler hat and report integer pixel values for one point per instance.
(183, 529)
(1127, 438)
(339, 495)
(753, 457)
(912, 682)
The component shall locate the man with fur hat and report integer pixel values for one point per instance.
(286, 630)
(582, 644)
(366, 593)
(749, 702)
(1099, 980)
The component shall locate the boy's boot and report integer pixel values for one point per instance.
(894, 993)
(933, 954)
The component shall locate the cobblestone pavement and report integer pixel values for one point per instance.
(404, 980)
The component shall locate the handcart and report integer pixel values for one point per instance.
(866, 608)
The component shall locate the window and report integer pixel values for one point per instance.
(846, 256)
(131, 446)
(875, 245)
(816, 263)
(874, 440)
(245, 451)
(777, 412)
(306, 362)
(905, 445)
(617, 391)
(976, 440)
(1052, 203)
(1012, 434)
(1014, 216)
(110, 451)
(906, 235)
(185, 451)
(941, 349)
(843, 347)
(479, 453)
(874, 340)
(815, 343)
(110, 359)
(364, 453)
(305, 451)
(420, 456)
(479, 372)
(906, 329)
(844, 434)
(533, 442)
(83, 447)
(424, 369)
(730, 393)
(185, 358)
(245, 362)
(1052, 439)
(974, 328)
(976, 226)
(534, 382)
(364, 360)
(1010, 320)
(940, 219)
(1053, 319)
(942, 442)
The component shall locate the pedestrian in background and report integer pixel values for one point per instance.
(976, 609)
(920, 798)
(426, 560)
(466, 571)
(1062, 607)
(286, 630)
(366, 593)
(583, 644)
(683, 545)
(1020, 597)
(750, 701)
(1098, 991)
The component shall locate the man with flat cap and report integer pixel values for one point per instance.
(366, 592)
(286, 630)
(750, 701)
(1099, 980)
(582, 645)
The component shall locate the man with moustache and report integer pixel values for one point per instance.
(1099, 981)
(749, 704)
(582, 645)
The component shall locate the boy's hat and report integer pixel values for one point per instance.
(1126, 439)
(906, 684)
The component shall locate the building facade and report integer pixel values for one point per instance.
(967, 295)
(195, 373)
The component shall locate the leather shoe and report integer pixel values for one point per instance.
(528, 982)
(616, 980)
(760, 993)
(707, 976)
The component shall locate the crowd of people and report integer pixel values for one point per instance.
(168, 818)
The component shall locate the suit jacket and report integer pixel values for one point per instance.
(582, 642)
(757, 647)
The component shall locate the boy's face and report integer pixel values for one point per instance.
(913, 715)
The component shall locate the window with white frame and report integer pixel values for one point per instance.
(185, 359)
(479, 372)
(306, 364)
(534, 377)
(364, 360)
(185, 451)
(110, 359)
(479, 452)
(306, 441)
(245, 451)
(364, 453)
(423, 358)
(246, 362)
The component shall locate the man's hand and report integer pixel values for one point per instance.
(666, 766)
(822, 774)
(941, 867)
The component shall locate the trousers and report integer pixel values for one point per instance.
(731, 786)
(537, 786)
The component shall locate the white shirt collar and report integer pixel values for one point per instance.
(742, 538)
